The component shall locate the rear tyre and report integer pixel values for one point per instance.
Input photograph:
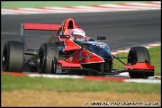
(47, 57)
(13, 56)
(138, 54)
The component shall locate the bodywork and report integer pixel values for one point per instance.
(81, 54)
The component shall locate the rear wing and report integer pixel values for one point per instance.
(35, 26)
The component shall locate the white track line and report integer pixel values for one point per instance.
(143, 80)
(151, 45)
(85, 9)
(54, 76)
(149, 80)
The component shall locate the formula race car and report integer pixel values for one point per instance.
(64, 55)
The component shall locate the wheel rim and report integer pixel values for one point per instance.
(40, 61)
(54, 66)
(4, 58)
(131, 59)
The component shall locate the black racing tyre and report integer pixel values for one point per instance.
(47, 56)
(98, 67)
(108, 66)
(138, 54)
(13, 56)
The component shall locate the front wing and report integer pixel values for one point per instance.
(139, 69)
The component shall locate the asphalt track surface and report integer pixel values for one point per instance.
(122, 29)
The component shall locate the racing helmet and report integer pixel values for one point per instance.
(78, 34)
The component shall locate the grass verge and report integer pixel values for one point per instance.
(10, 83)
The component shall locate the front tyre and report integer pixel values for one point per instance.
(13, 56)
(138, 54)
(47, 56)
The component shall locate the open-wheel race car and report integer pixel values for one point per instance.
(63, 54)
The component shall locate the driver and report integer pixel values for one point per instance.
(78, 34)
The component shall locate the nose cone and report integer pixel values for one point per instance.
(105, 54)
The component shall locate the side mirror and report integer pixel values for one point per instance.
(101, 37)
(64, 36)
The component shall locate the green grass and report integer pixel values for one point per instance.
(155, 56)
(31, 4)
(10, 83)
